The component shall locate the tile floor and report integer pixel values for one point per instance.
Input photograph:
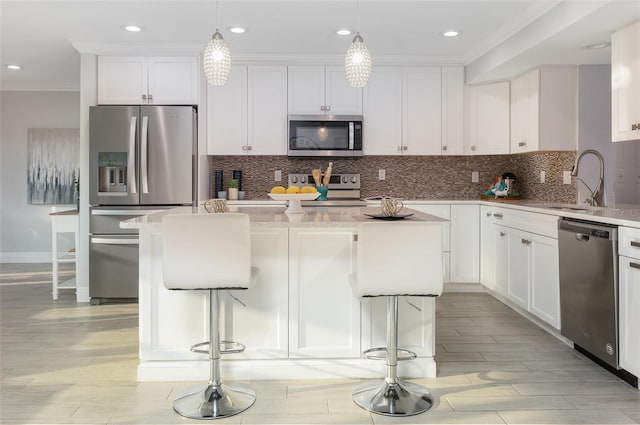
(69, 363)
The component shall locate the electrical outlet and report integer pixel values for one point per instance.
(382, 174)
(566, 177)
(475, 177)
(543, 176)
(278, 176)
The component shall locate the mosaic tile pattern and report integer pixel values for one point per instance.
(413, 177)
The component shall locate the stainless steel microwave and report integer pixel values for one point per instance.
(325, 135)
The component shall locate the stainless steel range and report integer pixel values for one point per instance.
(344, 189)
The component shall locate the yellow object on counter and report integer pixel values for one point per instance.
(293, 190)
(308, 189)
(278, 190)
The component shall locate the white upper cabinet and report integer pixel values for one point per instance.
(382, 116)
(267, 110)
(625, 88)
(452, 110)
(227, 115)
(134, 80)
(248, 115)
(414, 111)
(487, 119)
(319, 90)
(422, 111)
(543, 110)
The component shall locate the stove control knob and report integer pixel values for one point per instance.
(303, 179)
(294, 179)
(354, 179)
(345, 179)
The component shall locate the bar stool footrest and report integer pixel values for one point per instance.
(380, 353)
(226, 347)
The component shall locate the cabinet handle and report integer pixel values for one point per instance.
(404, 148)
(327, 108)
(322, 107)
(502, 234)
(634, 265)
(497, 215)
(635, 126)
(249, 148)
(444, 148)
(150, 97)
(488, 214)
(144, 97)
(522, 144)
(400, 148)
(635, 244)
(526, 241)
(473, 148)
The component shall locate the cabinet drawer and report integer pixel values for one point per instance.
(541, 224)
(629, 242)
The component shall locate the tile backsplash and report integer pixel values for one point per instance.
(413, 177)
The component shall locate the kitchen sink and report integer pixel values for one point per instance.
(557, 207)
(563, 207)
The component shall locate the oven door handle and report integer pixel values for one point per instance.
(115, 241)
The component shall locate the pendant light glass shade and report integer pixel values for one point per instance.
(217, 60)
(357, 63)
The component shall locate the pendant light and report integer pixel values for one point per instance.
(357, 62)
(217, 58)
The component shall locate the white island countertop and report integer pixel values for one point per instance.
(275, 216)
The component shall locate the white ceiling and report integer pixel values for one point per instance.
(500, 38)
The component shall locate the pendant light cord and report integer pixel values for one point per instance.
(217, 14)
(358, 13)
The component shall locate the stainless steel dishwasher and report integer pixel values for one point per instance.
(589, 287)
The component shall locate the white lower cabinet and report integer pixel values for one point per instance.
(324, 320)
(629, 299)
(520, 260)
(258, 317)
(465, 243)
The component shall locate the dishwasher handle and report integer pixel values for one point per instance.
(582, 237)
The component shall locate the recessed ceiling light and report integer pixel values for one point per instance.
(132, 28)
(13, 66)
(450, 33)
(343, 32)
(237, 30)
(601, 45)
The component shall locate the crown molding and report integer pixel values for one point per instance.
(250, 59)
(151, 49)
(40, 86)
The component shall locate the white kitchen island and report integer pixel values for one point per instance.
(300, 319)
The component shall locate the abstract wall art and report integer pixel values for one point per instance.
(53, 165)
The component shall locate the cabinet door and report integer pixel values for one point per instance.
(501, 258)
(488, 120)
(122, 80)
(422, 111)
(324, 318)
(382, 133)
(625, 74)
(267, 110)
(227, 115)
(629, 300)
(262, 322)
(518, 270)
(465, 243)
(341, 98)
(173, 81)
(487, 247)
(306, 90)
(452, 110)
(525, 115)
(545, 281)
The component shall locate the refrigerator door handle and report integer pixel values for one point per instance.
(131, 163)
(144, 171)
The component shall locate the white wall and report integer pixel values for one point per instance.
(25, 230)
(594, 128)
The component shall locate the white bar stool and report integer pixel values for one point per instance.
(210, 252)
(63, 222)
(396, 259)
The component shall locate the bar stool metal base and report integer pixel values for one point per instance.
(398, 399)
(215, 401)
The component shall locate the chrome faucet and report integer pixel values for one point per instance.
(596, 198)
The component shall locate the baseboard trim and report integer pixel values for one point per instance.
(25, 257)
(255, 370)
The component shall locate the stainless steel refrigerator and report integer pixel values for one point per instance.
(143, 159)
